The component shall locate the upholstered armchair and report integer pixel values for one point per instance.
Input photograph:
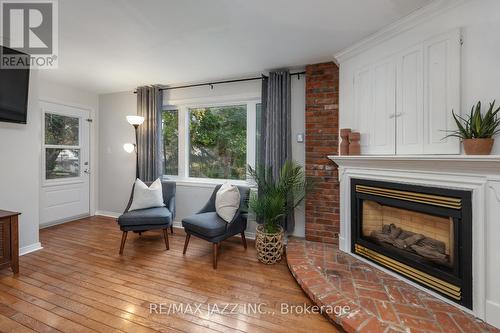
(207, 225)
(150, 218)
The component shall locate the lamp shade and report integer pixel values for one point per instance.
(129, 147)
(135, 120)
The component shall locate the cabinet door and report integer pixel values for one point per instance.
(4, 241)
(409, 111)
(374, 91)
(441, 92)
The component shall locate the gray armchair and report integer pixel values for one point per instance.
(150, 218)
(207, 225)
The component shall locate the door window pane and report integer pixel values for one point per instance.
(61, 130)
(170, 138)
(62, 163)
(218, 142)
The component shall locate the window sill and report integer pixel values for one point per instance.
(204, 182)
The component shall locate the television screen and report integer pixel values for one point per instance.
(14, 83)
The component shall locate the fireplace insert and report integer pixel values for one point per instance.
(422, 233)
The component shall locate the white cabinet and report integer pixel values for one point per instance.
(375, 93)
(441, 92)
(409, 99)
(403, 104)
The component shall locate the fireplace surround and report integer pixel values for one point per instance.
(422, 233)
(479, 175)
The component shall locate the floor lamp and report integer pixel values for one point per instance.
(130, 147)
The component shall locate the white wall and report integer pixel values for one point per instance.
(20, 149)
(20, 169)
(117, 169)
(480, 63)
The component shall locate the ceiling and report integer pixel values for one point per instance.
(115, 45)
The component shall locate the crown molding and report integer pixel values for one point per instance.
(415, 18)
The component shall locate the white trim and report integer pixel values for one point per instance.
(213, 100)
(62, 221)
(183, 105)
(107, 213)
(415, 18)
(203, 182)
(30, 248)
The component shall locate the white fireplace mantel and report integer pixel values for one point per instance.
(468, 164)
(479, 174)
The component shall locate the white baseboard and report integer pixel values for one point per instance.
(62, 221)
(107, 213)
(30, 248)
(493, 313)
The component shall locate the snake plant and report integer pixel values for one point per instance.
(476, 125)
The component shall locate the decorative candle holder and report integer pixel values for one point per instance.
(344, 144)
(354, 146)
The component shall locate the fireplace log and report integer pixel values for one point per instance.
(425, 247)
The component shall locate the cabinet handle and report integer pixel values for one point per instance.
(395, 115)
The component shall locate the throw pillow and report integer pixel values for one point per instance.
(227, 201)
(147, 197)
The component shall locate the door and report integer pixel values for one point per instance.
(65, 192)
(374, 90)
(410, 110)
(441, 92)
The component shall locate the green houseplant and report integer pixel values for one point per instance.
(276, 198)
(476, 130)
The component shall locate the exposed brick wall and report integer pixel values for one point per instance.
(322, 127)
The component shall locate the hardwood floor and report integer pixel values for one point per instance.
(79, 283)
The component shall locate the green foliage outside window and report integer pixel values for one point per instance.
(61, 131)
(218, 141)
(170, 128)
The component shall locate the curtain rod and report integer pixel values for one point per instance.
(211, 84)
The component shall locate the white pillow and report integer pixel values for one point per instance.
(227, 201)
(147, 197)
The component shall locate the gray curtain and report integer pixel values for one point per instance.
(149, 101)
(276, 136)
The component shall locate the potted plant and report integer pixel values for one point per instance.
(276, 198)
(476, 131)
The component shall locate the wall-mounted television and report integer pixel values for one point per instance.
(14, 85)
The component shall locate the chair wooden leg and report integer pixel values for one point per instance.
(243, 239)
(124, 238)
(165, 236)
(172, 229)
(186, 242)
(215, 246)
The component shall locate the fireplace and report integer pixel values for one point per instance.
(422, 233)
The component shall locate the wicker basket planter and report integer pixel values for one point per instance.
(269, 246)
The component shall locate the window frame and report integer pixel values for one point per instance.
(183, 108)
(64, 180)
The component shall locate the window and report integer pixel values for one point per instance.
(218, 142)
(62, 150)
(203, 142)
(170, 141)
(258, 132)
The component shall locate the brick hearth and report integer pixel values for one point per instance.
(378, 301)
